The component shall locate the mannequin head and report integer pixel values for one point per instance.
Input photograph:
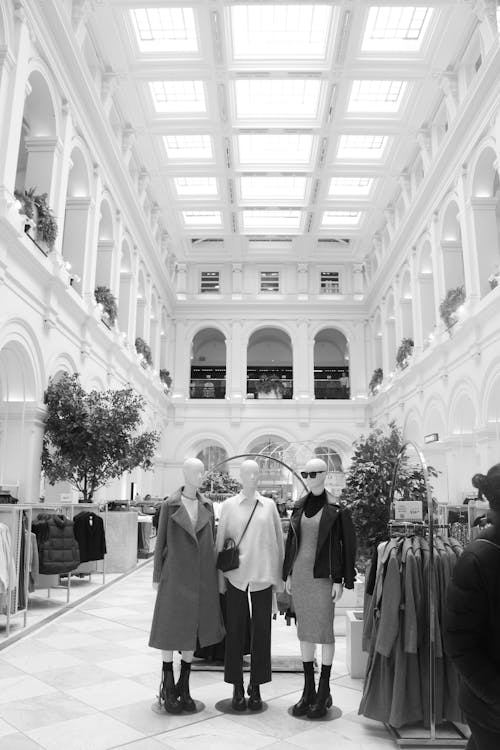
(249, 475)
(193, 471)
(316, 484)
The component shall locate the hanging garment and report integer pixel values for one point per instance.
(88, 529)
(7, 565)
(58, 550)
(34, 564)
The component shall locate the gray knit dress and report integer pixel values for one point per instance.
(312, 597)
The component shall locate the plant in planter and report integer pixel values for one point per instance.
(368, 486)
(376, 380)
(404, 353)
(166, 378)
(269, 387)
(27, 201)
(105, 298)
(448, 307)
(493, 279)
(36, 208)
(142, 348)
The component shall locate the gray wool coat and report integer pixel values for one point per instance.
(187, 602)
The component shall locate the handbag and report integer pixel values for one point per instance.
(229, 556)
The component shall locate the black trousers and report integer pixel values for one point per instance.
(237, 614)
(482, 738)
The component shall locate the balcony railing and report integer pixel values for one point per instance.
(207, 388)
(331, 389)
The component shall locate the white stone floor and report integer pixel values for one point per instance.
(87, 681)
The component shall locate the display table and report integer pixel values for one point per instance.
(121, 541)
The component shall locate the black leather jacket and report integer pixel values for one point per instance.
(336, 547)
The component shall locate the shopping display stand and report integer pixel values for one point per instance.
(12, 517)
(447, 734)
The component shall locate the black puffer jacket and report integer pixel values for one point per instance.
(472, 628)
(58, 550)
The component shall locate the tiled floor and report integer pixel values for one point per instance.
(88, 680)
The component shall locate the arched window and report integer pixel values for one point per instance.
(269, 364)
(331, 365)
(208, 364)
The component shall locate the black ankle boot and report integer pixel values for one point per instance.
(323, 698)
(254, 699)
(187, 703)
(168, 691)
(239, 702)
(308, 697)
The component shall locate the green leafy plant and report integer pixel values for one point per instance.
(36, 208)
(105, 298)
(220, 483)
(368, 485)
(376, 380)
(448, 307)
(266, 384)
(92, 438)
(27, 201)
(404, 352)
(142, 348)
(165, 377)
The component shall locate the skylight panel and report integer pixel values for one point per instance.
(268, 218)
(190, 186)
(361, 146)
(256, 187)
(165, 29)
(340, 218)
(347, 186)
(178, 97)
(188, 147)
(258, 99)
(280, 31)
(396, 29)
(376, 96)
(293, 149)
(202, 218)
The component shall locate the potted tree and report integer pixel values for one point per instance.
(104, 297)
(404, 353)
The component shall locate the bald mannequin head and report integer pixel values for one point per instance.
(249, 475)
(316, 484)
(193, 471)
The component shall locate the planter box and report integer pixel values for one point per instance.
(355, 657)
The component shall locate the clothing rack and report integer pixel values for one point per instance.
(12, 517)
(427, 527)
(69, 510)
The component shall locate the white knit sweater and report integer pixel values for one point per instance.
(261, 551)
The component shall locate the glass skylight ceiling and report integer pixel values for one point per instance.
(193, 186)
(178, 97)
(258, 187)
(260, 99)
(376, 96)
(165, 29)
(340, 218)
(275, 148)
(188, 146)
(271, 219)
(340, 186)
(361, 146)
(396, 29)
(280, 31)
(202, 218)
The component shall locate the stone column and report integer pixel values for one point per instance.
(303, 358)
(236, 289)
(236, 358)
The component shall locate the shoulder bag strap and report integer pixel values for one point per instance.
(488, 541)
(248, 523)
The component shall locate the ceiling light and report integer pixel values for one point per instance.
(280, 31)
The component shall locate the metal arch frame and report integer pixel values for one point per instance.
(258, 455)
(432, 740)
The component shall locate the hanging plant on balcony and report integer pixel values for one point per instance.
(105, 298)
(267, 385)
(376, 380)
(495, 276)
(404, 353)
(27, 201)
(165, 377)
(448, 307)
(142, 348)
(36, 208)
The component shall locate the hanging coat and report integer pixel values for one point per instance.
(187, 601)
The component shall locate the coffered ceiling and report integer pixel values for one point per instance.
(284, 125)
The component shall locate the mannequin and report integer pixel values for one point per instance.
(319, 560)
(185, 578)
(258, 575)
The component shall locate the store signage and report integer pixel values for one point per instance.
(408, 510)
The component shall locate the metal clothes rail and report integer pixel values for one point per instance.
(12, 517)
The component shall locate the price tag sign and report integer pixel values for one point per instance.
(408, 510)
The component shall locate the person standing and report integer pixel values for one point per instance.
(471, 622)
(258, 575)
(185, 577)
(319, 561)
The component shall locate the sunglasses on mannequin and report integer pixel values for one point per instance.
(312, 474)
